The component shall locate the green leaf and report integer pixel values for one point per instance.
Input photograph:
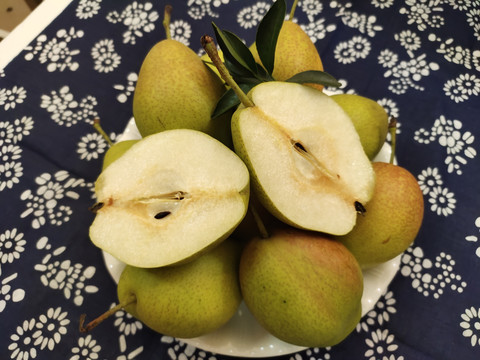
(315, 77)
(234, 50)
(267, 34)
(229, 100)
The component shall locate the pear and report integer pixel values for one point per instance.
(302, 287)
(369, 118)
(116, 150)
(392, 219)
(305, 158)
(175, 89)
(295, 52)
(183, 301)
(169, 197)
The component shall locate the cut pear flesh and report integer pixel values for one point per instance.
(305, 157)
(170, 196)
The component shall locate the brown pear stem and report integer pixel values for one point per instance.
(166, 20)
(292, 10)
(98, 127)
(392, 128)
(258, 221)
(92, 324)
(211, 49)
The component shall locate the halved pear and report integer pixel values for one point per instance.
(306, 162)
(168, 198)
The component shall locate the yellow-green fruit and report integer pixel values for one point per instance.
(295, 52)
(116, 150)
(187, 300)
(175, 89)
(369, 118)
(393, 218)
(302, 287)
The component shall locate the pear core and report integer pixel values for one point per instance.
(305, 158)
(169, 197)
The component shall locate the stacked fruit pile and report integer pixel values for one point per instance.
(176, 206)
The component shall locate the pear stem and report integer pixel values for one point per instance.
(166, 20)
(211, 49)
(292, 10)
(258, 221)
(98, 127)
(392, 128)
(92, 324)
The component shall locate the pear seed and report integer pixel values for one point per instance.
(162, 214)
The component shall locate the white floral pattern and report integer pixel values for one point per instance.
(105, 58)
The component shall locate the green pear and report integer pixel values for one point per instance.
(116, 150)
(175, 89)
(182, 301)
(392, 219)
(369, 118)
(305, 158)
(295, 52)
(302, 287)
(169, 198)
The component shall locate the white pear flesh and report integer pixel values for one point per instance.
(169, 197)
(304, 155)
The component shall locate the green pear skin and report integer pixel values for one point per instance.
(392, 219)
(302, 287)
(369, 118)
(115, 151)
(175, 89)
(188, 300)
(295, 52)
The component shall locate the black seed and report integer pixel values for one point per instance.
(162, 214)
(96, 207)
(300, 147)
(360, 208)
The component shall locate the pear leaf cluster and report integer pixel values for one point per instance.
(241, 63)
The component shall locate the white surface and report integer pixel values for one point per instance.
(29, 29)
(242, 336)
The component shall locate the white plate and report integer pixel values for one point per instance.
(242, 336)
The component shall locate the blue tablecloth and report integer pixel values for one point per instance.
(420, 59)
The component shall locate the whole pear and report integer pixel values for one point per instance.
(295, 52)
(302, 287)
(392, 219)
(369, 118)
(116, 150)
(187, 300)
(175, 89)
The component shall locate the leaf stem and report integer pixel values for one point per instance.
(292, 10)
(211, 49)
(92, 324)
(98, 127)
(392, 128)
(166, 20)
(258, 221)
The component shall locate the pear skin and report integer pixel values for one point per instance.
(369, 118)
(188, 300)
(175, 89)
(392, 219)
(302, 287)
(295, 52)
(116, 150)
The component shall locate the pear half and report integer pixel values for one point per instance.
(169, 197)
(306, 162)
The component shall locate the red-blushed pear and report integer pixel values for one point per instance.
(392, 219)
(168, 198)
(302, 287)
(183, 301)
